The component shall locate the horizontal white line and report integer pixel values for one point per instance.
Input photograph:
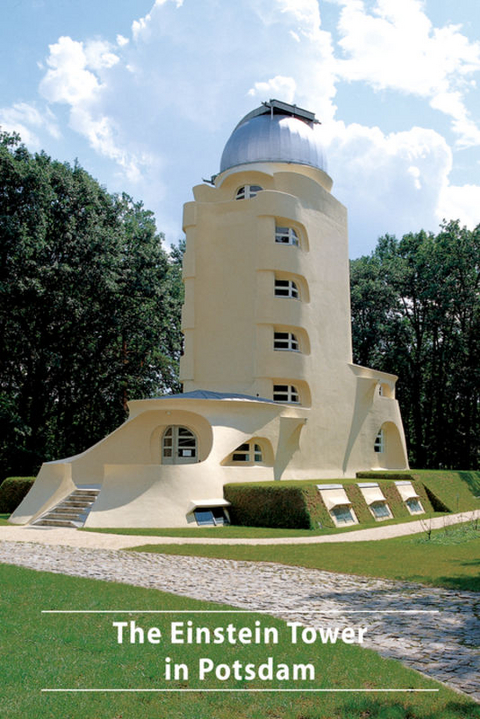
(240, 611)
(239, 690)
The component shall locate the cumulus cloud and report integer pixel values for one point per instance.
(74, 78)
(278, 86)
(396, 46)
(388, 180)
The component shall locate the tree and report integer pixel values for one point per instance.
(89, 310)
(416, 313)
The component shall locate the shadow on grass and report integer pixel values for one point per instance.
(472, 481)
(371, 709)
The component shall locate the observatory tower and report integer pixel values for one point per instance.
(270, 390)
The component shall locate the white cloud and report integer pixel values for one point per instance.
(390, 182)
(26, 119)
(397, 47)
(122, 41)
(460, 203)
(73, 78)
(141, 27)
(279, 86)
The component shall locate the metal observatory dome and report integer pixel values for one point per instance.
(275, 132)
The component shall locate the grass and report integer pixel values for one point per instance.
(236, 532)
(451, 558)
(3, 520)
(80, 651)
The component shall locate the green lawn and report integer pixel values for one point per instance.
(80, 651)
(236, 532)
(3, 520)
(449, 559)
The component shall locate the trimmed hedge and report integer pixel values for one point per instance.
(12, 491)
(269, 506)
(299, 505)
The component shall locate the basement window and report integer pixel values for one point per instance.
(414, 506)
(380, 510)
(286, 393)
(286, 236)
(211, 516)
(285, 341)
(343, 515)
(247, 192)
(286, 288)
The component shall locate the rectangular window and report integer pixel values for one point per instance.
(285, 341)
(211, 516)
(286, 288)
(343, 514)
(379, 445)
(414, 506)
(380, 510)
(286, 236)
(285, 393)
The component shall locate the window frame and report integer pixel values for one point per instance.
(289, 390)
(286, 235)
(252, 451)
(290, 341)
(216, 521)
(291, 289)
(248, 192)
(177, 447)
(379, 443)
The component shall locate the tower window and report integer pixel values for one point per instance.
(286, 288)
(286, 236)
(247, 192)
(379, 445)
(285, 341)
(286, 393)
(248, 453)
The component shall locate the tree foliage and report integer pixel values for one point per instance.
(89, 308)
(416, 313)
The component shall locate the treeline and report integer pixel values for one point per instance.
(89, 309)
(90, 305)
(416, 313)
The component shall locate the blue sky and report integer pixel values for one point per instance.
(145, 94)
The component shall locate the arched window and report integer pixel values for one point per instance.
(286, 288)
(179, 446)
(247, 192)
(285, 341)
(248, 453)
(285, 393)
(286, 236)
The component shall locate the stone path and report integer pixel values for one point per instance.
(443, 645)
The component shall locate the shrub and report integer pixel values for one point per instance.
(268, 506)
(12, 491)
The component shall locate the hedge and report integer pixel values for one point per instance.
(12, 491)
(269, 506)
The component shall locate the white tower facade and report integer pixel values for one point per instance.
(267, 308)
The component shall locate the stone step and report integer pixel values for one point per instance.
(56, 523)
(54, 514)
(72, 511)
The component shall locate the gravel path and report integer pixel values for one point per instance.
(74, 538)
(443, 645)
